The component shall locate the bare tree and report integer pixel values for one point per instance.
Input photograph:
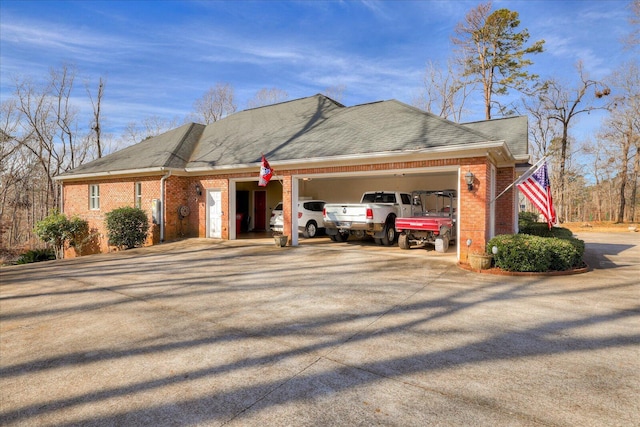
(335, 92)
(622, 130)
(444, 93)
(96, 126)
(542, 129)
(633, 39)
(217, 103)
(148, 128)
(267, 97)
(493, 53)
(563, 105)
(40, 139)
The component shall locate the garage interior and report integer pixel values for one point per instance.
(253, 204)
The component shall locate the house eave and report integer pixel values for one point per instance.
(119, 174)
(498, 151)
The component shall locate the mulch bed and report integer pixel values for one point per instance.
(500, 272)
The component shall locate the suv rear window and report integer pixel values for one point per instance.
(278, 207)
(314, 206)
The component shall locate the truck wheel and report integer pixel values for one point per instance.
(389, 237)
(311, 229)
(442, 243)
(403, 241)
(342, 237)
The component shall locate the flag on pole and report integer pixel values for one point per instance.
(265, 173)
(537, 188)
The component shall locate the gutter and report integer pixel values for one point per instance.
(162, 207)
(115, 174)
(470, 150)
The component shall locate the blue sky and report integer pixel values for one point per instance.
(158, 57)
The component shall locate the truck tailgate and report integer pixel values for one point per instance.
(345, 213)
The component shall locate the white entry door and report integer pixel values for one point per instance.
(214, 218)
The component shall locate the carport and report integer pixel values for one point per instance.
(349, 187)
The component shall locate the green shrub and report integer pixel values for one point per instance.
(56, 230)
(567, 253)
(526, 218)
(127, 227)
(520, 252)
(77, 231)
(36, 255)
(541, 229)
(528, 253)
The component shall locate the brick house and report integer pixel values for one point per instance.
(202, 181)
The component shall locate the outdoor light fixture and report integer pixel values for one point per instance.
(468, 177)
(198, 190)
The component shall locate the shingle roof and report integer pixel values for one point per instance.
(312, 127)
(172, 149)
(512, 130)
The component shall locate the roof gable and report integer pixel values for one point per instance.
(242, 137)
(169, 150)
(513, 130)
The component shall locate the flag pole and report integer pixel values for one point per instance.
(521, 178)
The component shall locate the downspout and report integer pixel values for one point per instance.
(162, 208)
(61, 195)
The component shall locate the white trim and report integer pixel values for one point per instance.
(131, 172)
(493, 175)
(295, 191)
(498, 151)
(233, 206)
(458, 237)
(403, 172)
(432, 153)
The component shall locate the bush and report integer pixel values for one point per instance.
(77, 232)
(528, 253)
(56, 229)
(36, 255)
(127, 227)
(567, 253)
(526, 218)
(541, 229)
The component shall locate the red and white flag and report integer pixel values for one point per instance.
(265, 173)
(537, 188)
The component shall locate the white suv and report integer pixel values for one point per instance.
(309, 217)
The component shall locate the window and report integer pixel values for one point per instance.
(94, 197)
(138, 195)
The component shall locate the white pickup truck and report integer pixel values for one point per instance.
(374, 216)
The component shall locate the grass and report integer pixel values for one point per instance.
(599, 226)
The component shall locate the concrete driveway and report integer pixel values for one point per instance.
(243, 333)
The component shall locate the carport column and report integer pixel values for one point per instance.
(474, 206)
(287, 184)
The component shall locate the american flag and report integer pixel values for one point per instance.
(537, 189)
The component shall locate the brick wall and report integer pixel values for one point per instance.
(474, 206)
(473, 216)
(114, 193)
(505, 204)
